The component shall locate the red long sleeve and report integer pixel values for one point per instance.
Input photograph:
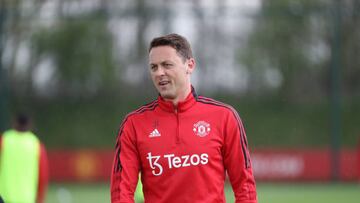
(237, 161)
(43, 175)
(125, 167)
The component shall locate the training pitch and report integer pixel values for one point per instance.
(267, 193)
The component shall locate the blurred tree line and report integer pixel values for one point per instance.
(79, 66)
(296, 37)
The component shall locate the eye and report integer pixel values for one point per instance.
(168, 65)
(153, 67)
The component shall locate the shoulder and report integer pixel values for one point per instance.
(133, 115)
(220, 108)
(230, 114)
(149, 107)
(212, 103)
(143, 109)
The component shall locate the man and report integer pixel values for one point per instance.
(23, 164)
(181, 143)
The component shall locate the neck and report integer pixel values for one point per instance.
(181, 96)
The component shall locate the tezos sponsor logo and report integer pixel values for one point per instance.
(201, 128)
(176, 161)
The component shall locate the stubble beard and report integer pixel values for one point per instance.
(167, 95)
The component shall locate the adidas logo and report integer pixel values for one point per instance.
(155, 133)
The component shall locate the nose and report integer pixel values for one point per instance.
(160, 71)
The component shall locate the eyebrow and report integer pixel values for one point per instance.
(162, 62)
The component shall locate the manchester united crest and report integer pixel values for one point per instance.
(201, 128)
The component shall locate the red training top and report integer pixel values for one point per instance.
(182, 153)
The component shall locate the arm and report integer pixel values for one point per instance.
(237, 160)
(126, 165)
(43, 175)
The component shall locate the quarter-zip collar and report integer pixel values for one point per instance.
(182, 105)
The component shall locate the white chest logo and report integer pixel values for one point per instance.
(201, 128)
(155, 133)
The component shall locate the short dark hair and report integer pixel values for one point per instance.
(22, 121)
(178, 42)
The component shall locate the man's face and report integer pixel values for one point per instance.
(169, 72)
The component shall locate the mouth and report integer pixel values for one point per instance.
(163, 83)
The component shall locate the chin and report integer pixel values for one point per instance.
(167, 95)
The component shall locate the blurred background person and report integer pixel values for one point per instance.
(23, 164)
(139, 195)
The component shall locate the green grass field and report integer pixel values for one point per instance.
(267, 193)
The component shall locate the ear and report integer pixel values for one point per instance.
(190, 63)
